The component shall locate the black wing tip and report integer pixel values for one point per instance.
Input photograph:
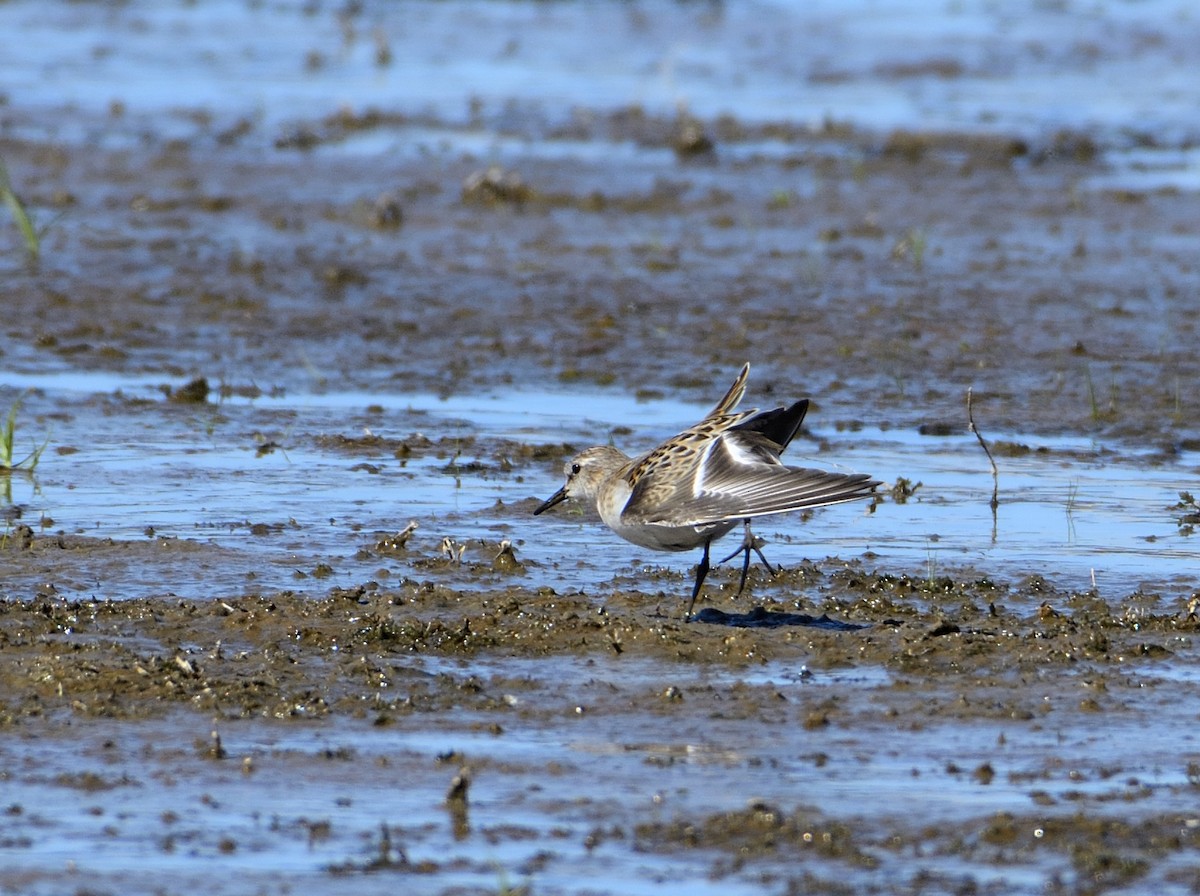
(778, 425)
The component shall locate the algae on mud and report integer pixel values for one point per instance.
(224, 669)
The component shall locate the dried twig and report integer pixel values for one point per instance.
(982, 444)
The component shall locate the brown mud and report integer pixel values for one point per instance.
(1010, 665)
(893, 732)
(882, 275)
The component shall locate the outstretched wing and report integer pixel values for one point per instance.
(670, 474)
(733, 396)
(741, 476)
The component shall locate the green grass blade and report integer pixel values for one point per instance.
(24, 224)
(7, 436)
(8, 441)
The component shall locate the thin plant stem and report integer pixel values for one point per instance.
(995, 471)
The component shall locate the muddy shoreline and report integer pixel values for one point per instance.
(201, 686)
(648, 286)
(224, 667)
(834, 268)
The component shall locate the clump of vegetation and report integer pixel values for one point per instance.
(20, 216)
(912, 246)
(904, 489)
(8, 439)
(1187, 513)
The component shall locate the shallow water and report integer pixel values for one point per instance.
(1120, 71)
(905, 200)
(138, 467)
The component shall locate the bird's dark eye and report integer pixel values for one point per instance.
(575, 468)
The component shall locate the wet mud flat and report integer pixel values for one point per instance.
(271, 740)
(438, 739)
(883, 274)
(221, 668)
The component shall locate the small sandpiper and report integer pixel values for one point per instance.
(697, 486)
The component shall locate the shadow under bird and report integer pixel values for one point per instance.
(697, 486)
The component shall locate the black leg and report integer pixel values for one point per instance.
(745, 565)
(756, 544)
(749, 543)
(701, 572)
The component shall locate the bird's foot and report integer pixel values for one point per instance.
(750, 542)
